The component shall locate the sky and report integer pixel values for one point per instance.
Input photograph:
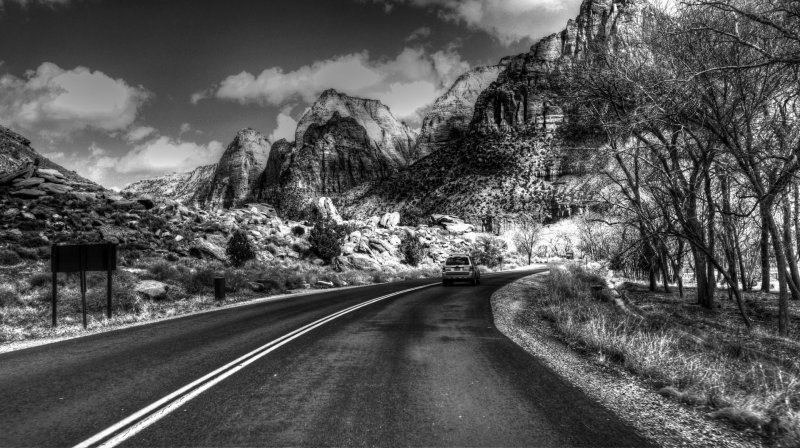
(122, 90)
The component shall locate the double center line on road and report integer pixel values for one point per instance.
(138, 421)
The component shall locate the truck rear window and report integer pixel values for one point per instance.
(455, 261)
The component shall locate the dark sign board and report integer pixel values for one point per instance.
(82, 258)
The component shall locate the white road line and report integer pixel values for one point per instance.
(136, 422)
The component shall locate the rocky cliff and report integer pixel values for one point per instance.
(178, 186)
(386, 134)
(238, 171)
(342, 143)
(526, 92)
(450, 116)
(515, 160)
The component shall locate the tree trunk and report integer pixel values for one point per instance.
(712, 241)
(764, 246)
(780, 261)
(789, 246)
(700, 274)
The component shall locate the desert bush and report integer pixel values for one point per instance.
(40, 279)
(163, 271)
(326, 239)
(298, 231)
(27, 253)
(413, 251)
(9, 257)
(33, 239)
(9, 296)
(240, 250)
(488, 250)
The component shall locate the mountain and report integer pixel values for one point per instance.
(342, 143)
(178, 186)
(237, 173)
(451, 114)
(386, 134)
(526, 92)
(516, 160)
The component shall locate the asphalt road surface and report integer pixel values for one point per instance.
(426, 367)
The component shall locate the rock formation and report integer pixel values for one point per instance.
(178, 186)
(513, 162)
(342, 143)
(449, 118)
(387, 135)
(523, 94)
(238, 172)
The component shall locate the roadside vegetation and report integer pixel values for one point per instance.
(26, 290)
(751, 379)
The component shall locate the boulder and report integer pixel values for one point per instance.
(327, 210)
(27, 183)
(452, 224)
(202, 248)
(28, 193)
(83, 196)
(147, 203)
(151, 289)
(357, 261)
(52, 188)
(52, 179)
(390, 220)
(49, 172)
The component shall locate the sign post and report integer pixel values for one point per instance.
(81, 258)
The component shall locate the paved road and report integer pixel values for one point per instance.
(421, 368)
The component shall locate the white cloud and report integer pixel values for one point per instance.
(55, 102)
(286, 125)
(164, 155)
(185, 127)
(140, 133)
(507, 20)
(420, 77)
(419, 33)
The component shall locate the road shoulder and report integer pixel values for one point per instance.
(664, 422)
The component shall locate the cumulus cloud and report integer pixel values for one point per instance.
(285, 127)
(164, 155)
(508, 20)
(139, 133)
(405, 83)
(55, 102)
(419, 33)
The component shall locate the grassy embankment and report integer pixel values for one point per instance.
(727, 373)
(26, 291)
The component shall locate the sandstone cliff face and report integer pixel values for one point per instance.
(512, 163)
(342, 143)
(386, 134)
(238, 171)
(449, 118)
(269, 183)
(178, 186)
(524, 93)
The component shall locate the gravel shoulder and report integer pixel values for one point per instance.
(656, 418)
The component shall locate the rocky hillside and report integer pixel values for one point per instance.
(181, 187)
(450, 116)
(16, 152)
(517, 160)
(342, 142)
(526, 93)
(238, 171)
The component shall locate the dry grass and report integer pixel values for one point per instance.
(25, 291)
(762, 393)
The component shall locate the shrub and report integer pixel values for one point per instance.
(27, 253)
(40, 279)
(298, 231)
(488, 250)
(163, 270)
(412, 250)
(326, 239)
(8, 295)
(240, 249)
(8, 257)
